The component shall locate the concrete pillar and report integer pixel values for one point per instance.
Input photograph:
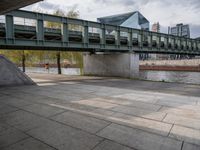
(118, 65)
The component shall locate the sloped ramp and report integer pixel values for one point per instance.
(10, 74)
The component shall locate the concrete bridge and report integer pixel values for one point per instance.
(120, 48)
(8, 5)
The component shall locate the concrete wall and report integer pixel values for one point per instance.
(118, 65)
(10, 74)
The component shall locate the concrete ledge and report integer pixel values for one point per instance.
(11, 75)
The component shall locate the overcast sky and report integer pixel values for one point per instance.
(167, 12)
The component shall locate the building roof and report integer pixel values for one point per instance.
(121, 18)
(142, 19)
(8, 5)
(116, 19)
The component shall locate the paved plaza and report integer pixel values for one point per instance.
(95, 113)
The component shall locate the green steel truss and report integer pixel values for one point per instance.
(82, 35)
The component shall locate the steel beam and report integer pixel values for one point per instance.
(81, 39)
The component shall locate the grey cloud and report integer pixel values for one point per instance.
(195, 31)
(123, 2)
(147, 7)
(47, 5)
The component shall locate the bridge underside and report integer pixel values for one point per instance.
(8, 5)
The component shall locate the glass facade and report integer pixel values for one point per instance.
(132, 20)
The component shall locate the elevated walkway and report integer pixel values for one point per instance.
(8, 5)
(87, 36)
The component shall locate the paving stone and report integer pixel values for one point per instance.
(3, 97)
(192, 107)
(109, 145)
(103, 112)
(138, 139)
(4, 109)
(58, 95)
(73, 106)
(5, 128)
(11, 136)
(34, 98)
(140, 112)
(91, 102)
(96, 104)
(66, 98)
(183, 121)
(16, 102)
(187, 146)
(186, 134)
(130, 103)
(29, 144)
(123, 119)
(65, 137)
(24, 96)
(2, 128)
(179, 99)
(83, 122)
(168, 103)
(44, 110)
(141, 123)
(86, 110)
(138, 97)
(23, 120)
(45, 100)
(182, 112)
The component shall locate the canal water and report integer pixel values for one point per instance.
(165, 76)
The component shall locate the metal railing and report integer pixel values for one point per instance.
(123, 39)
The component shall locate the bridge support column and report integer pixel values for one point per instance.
(118, 65)
(58, 63)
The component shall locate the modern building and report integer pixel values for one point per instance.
(131, 20)
(156, 27)
(181, 30)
